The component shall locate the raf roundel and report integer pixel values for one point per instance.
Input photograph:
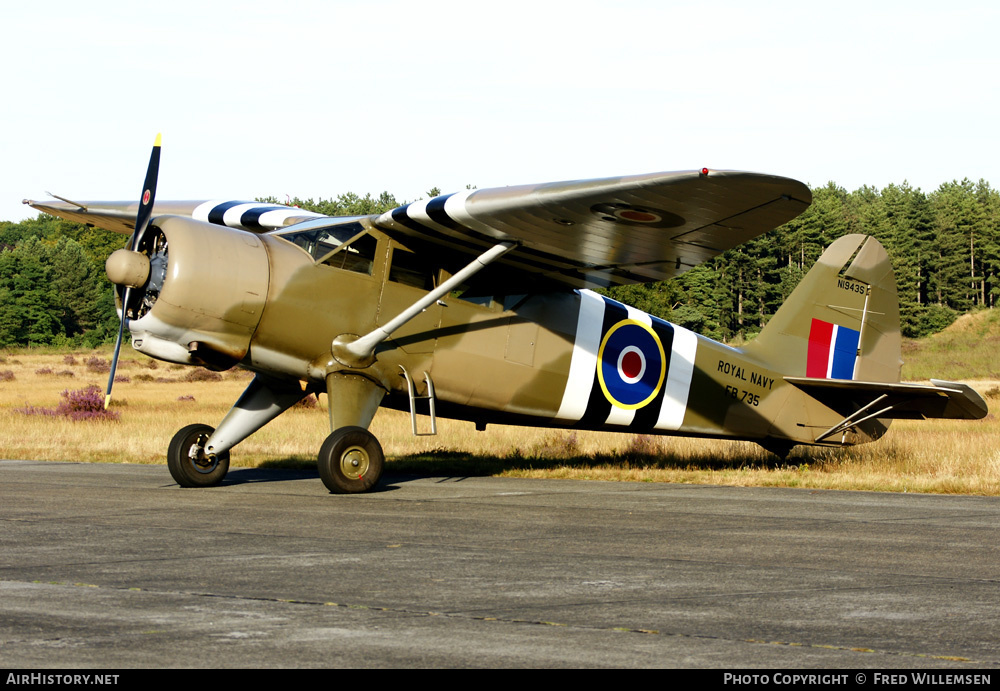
(631, 364)
(626, 214)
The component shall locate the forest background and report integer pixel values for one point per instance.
(945, 249)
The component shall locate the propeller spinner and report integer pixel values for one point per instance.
(130, 268)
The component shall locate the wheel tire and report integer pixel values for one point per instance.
(351, 461)
(187, 462)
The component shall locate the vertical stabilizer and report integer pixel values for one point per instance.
(841, 322)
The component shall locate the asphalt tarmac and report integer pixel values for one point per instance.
(115, 566)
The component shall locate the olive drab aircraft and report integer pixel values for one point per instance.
(479, 306)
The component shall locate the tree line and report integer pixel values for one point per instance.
(944, 245)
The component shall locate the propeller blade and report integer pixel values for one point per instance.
(118, 348)
(142, 217)
(148, 194)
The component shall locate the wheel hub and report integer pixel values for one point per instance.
(354, 462)
(201, 461)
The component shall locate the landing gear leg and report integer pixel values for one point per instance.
(198, 455)
(351, 459)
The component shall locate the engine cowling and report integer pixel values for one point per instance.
(204, 294)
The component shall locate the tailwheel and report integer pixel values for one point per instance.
(189, 465)
(351, 461)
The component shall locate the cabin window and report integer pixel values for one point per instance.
(319, 242)
(357, 255)
(496, 302)
(411, 269)
(345, 245)
(470, 294)
(475, 299)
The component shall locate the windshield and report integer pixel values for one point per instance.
(342, 244)
(322, 236)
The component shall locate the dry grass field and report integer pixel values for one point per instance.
(153, 400)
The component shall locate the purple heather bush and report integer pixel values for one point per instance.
(50, 371)
(202, 374)
(69, 360)
(82, 404)
(98, 365)
(6, 375)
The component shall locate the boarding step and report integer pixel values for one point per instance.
(429, 397)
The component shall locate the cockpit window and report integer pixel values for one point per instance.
(319, 242)
(358, 255)
(343, 245)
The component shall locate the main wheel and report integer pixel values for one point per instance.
(189, 465)
(351, 461)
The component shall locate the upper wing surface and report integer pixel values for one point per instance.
(610, 231)
(120, 216)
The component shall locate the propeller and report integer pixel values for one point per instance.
(141, 222)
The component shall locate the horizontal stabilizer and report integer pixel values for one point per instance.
(860, 401)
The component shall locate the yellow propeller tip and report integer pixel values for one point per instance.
(157, 142)
(107, 401)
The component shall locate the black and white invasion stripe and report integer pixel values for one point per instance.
(585, 402)
(253, 216)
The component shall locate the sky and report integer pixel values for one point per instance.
(315, 99)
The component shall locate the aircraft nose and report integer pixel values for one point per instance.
(127, 268)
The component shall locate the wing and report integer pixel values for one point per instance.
(583, 234)
(120, 216)
(597, 233)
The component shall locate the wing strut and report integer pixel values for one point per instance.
(855, 418)
(360, 352)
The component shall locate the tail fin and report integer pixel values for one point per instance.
(837, 339)
(841, 322)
